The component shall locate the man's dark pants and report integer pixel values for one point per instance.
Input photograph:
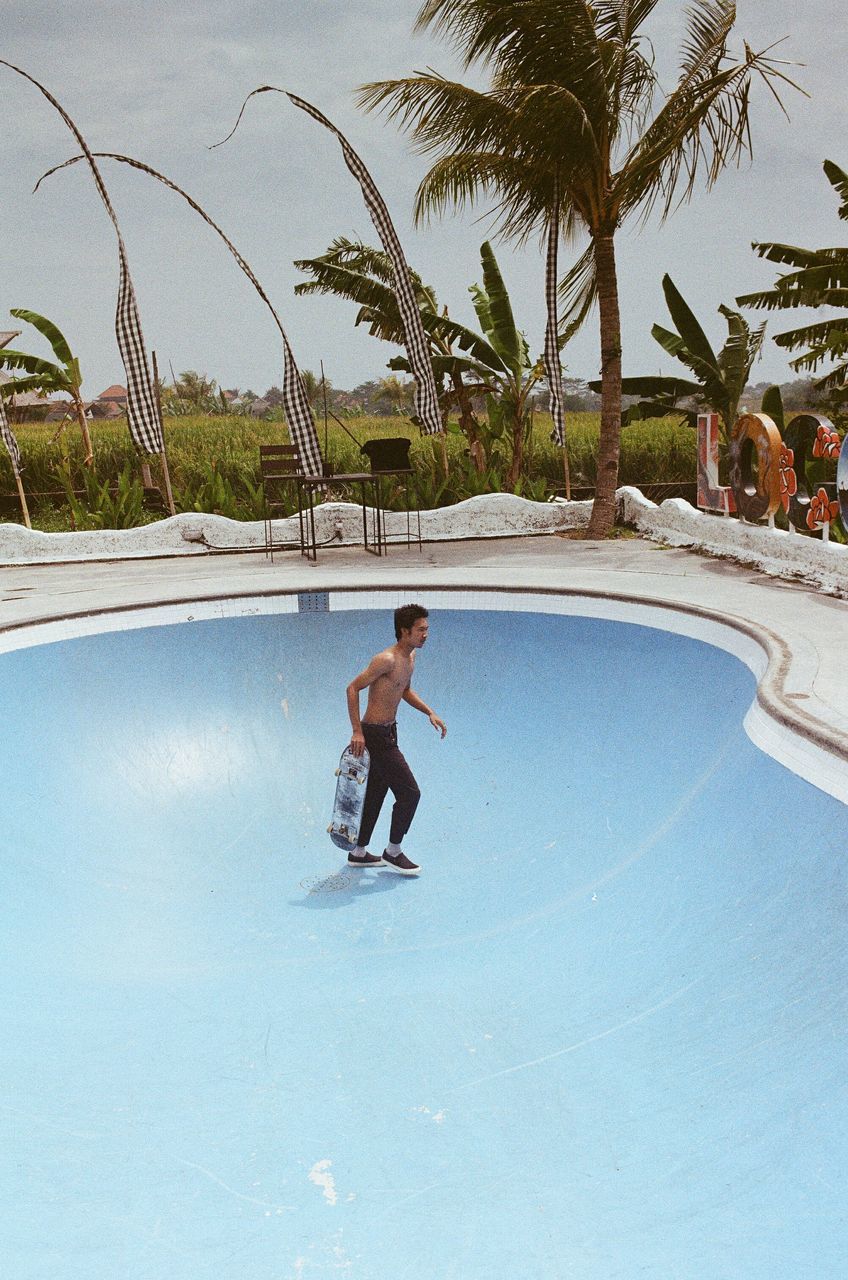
(388, 772)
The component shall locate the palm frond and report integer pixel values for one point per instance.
(836, 380)
(577, 292)
(690, 330)
(788, 299)
(704, 124)
(838, 179)
(821, 334)
(521, 38)
(793, 255)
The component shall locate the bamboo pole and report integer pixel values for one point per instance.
(567, 473)
(79, 408)
(22, 497)
(165, 472)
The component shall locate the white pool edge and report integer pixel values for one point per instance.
(796, 739)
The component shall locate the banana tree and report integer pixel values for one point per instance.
(719, 379)
(819, 279)
(64, 376)
(468, 364)
(362, 274)
(509, 397)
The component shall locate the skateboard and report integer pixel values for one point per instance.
(352, 776)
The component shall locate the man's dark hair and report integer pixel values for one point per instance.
(406, 616)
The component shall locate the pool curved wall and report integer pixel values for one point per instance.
(600, 1036)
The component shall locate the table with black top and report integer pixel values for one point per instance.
(309, 485)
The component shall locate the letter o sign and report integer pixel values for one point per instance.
(760, 496)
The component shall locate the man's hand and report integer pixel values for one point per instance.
(357, 742)
(438, 724)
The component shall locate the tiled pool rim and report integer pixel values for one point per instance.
(777, 725)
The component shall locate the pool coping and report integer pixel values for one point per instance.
(810, 739)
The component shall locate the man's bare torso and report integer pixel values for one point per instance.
(385, 693)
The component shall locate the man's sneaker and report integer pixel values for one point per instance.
(367, 860)
(400, 863)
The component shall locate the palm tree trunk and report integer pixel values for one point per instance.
(609, 445)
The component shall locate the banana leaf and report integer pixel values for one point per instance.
(687, 326)
(838, 179)
(48, 330)
(772, 404)
(54, 376)
(502, 332)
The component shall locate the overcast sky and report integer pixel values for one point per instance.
(161, 81)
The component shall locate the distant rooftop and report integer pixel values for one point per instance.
(115, 392)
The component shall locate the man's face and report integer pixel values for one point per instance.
(417, 633)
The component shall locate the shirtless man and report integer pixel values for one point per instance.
(387, 679)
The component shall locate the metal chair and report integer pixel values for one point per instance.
(279, 466)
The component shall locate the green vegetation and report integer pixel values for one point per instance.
(568, 138)
(719, 381)
(820, 279)
(43, 375)
(214, 465)
(496, 364)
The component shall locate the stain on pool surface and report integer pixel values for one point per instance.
(601, 1036)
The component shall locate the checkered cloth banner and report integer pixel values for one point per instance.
(553, 369)
(142, 408)
(427, 409)
(299, 417)
(9, 440)
(301, 422)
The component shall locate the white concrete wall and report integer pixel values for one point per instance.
(772, 551)
(494, 515)
(497, 515)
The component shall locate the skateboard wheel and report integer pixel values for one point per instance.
(330, 828)
(360, 781)
(338, 771)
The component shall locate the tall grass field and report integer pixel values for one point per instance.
(214, 465)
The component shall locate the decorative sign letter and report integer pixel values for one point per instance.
(755, 498)
(712, 496)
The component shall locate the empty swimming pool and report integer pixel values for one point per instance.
(601, 1036)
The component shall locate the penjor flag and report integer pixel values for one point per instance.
(9, 440)
(142, 408)
(427, 409)
(553, 369)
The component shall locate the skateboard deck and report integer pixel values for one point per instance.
(352, 777)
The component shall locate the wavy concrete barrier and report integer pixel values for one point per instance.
(496, 515)
(772, 551)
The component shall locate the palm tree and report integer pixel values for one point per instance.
(498, 362)
(567, 138)
(195, 389)
(397, 394)
(820, 279)
(362, 274)
(720, 379)
(63, 376)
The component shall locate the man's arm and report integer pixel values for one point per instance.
(378, 666)
(414, 701)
